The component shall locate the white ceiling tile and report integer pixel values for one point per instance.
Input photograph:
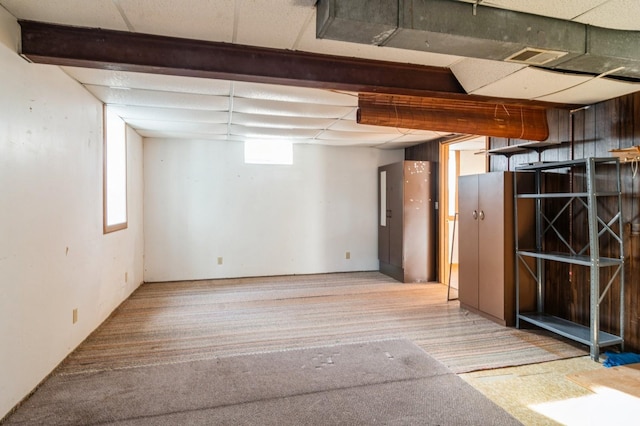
(531, 83)
(291, 109)
(273, 121)
(344, 142)
(348, 136)
(594, 90)
(562, 9)
(264, 132)
(279, 22)
(294, 94)
(183, 135)
(170, 114)
(153, 98)
(174, 126)
(195, 19)
(161, 82)
(94, 14)
(352, 126)
(476, 73)
(618, 14)
(413, 138)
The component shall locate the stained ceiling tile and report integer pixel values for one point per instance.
(195, 19)
(531, 83)
(138, 97)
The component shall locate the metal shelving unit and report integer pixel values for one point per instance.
(587, 256)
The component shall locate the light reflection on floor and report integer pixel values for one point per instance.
(604, 406)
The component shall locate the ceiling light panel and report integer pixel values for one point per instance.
(160, 82)
(95, 13)
(290, 109)
(294, 94)
(170, 114)
(531, 83)
(200, 19)
(110, 95)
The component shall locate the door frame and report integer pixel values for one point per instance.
(443, 213)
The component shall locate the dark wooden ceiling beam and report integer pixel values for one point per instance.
(454, 115)
(126, 51)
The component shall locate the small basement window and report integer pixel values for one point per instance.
(114, 173)
(268, 152)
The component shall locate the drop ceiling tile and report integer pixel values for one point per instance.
(342, 142)
(531, 83)
(153, 98)
(594, 90)
(157, 134)
(94, 14)
(565, 9)
(354, 136)
(352, 126)
(264, 132)
(195, 19)
(274, 121)
(170, 114)
(161, 82)
(294, 94)
(175, 126)
(275, 23)
(413, 138)
(618, 14)
(474, 73)
(291, 109)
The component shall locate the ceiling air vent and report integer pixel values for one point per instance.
(531, 56)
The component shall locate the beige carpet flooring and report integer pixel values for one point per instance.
(163, 323)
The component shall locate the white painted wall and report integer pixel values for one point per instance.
(202, 202)
(53, 255)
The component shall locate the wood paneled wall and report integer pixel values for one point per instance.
(585, 133)
(593, 132)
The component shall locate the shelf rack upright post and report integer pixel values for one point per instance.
(598, 226)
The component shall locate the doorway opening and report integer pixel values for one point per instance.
(457, 158)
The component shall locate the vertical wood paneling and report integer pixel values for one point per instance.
(593, 132)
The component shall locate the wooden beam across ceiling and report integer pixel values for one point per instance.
(454, 115)
(126, 51)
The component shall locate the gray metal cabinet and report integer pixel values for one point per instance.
(406, 221)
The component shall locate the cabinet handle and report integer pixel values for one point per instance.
(481, 214)
(475, 214)
(389, 214)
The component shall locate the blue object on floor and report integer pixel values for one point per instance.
(614, 359)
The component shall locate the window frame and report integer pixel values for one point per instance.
(106, 227)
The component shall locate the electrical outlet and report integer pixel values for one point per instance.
(347, 255)
(219, 261)
(75, 315)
